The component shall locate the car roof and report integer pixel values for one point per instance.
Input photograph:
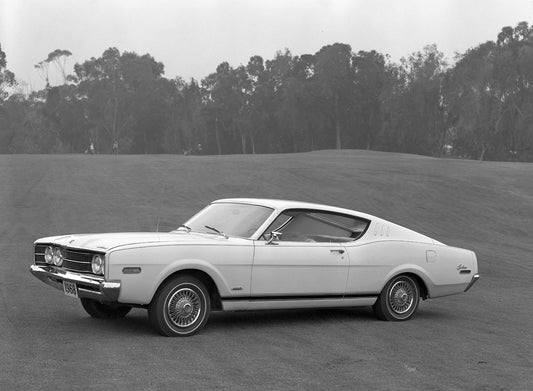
(289, 204)
(400, 232)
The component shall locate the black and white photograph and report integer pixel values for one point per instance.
(266, 195)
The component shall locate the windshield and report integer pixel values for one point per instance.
(240, 220)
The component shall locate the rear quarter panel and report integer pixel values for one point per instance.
(374, 263)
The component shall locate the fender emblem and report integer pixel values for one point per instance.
(237, 288)
(461, 267)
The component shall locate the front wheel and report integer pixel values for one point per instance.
(180, 307)
(398, 300)
(104, 311)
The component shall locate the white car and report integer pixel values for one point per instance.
(254, 254)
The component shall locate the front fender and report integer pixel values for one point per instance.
(141, 288)
(192, 264)
(228, 266)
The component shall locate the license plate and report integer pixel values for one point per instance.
(70, 289)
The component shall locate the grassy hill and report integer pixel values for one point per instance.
(483, 206)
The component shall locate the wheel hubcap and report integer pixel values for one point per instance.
(401, 297)
(184, 307)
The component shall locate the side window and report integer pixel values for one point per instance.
(317, 226)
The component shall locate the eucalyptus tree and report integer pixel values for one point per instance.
(312, 123)
(59, 58)
(211, 111)
(302, 114)
(185, 128)
(513, 64)
(42, 68)
(217, 91)
(472, 101)
(8, 107)
(241, 121)
(260, 103)
(490, 97)
(227, 98)
(120, 93)
(421, 125)
(7, 78)
(369, 94)
(148, 101)
(278, 70)
(333, 73)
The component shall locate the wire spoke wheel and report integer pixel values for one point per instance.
(180, 307)
(401, 297)
(184, 307)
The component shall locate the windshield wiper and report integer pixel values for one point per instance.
(189, 229)
(217, 231)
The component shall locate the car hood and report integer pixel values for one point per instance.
(108, 241)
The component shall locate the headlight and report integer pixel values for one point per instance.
(98, 264)
(57, 258)
(48, 254)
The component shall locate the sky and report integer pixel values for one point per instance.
(191, 37)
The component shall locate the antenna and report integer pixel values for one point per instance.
(159, 207)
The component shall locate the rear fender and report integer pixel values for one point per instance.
(409, 269)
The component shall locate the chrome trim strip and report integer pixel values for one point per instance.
(475, 277)
(72, 260)
(237, 305)
(300, 297)
(91, 287)
(76, 251)
(70, 269)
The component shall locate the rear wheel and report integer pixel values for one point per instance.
(104, 311)
(398, 300)
(180, 307)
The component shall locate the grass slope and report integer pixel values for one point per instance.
(479, 340)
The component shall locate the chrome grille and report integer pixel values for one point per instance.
(75, 260)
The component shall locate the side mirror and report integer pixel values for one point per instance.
(274, 235)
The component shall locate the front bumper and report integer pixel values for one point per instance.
(90, 287)
(472, 282)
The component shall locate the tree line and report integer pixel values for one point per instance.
(479, 107)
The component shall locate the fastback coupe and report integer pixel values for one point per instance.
(254, 254)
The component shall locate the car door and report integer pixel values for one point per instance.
(292, 268)
(307, 257)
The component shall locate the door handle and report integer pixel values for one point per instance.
(337, 251)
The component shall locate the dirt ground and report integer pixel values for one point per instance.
(480, 340)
